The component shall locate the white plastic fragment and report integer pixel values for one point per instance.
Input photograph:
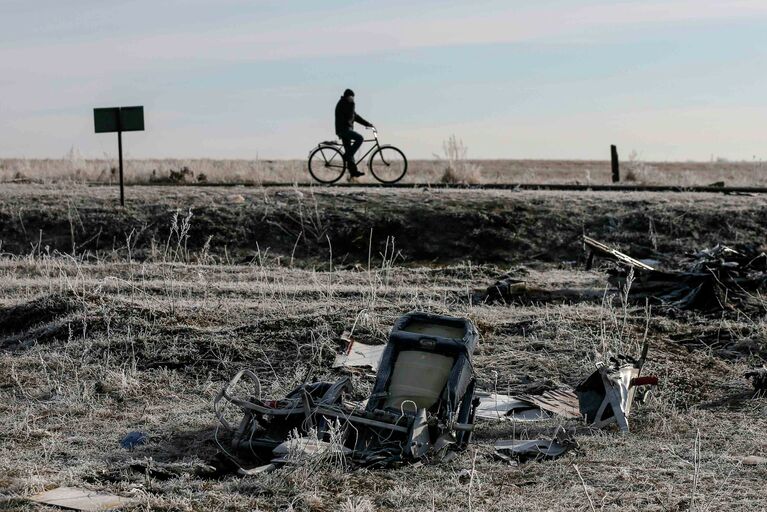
(359, 354)
(81, 499)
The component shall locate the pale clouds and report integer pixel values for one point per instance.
(64, 63)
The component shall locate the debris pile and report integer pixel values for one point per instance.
(422, 404)
(714, 280)
(604, 398)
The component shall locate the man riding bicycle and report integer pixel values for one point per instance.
(345, 118)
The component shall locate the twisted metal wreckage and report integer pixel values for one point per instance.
(423, 404)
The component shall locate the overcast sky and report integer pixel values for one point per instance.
(672, 80)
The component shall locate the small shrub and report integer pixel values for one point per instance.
(458, 169)
(180, 176)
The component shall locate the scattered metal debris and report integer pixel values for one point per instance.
(562, 402)
(606, 396)
(600, 249)
(536, 449)
(715, 280)
(422, 406)
(422, 402)
(505, 407)
(81, 499)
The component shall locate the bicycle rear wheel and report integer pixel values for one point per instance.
(326, 164)
(388, 164)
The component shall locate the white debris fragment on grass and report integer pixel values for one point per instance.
(81, 499)
(360, 355)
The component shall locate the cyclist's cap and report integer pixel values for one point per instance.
(348, 92)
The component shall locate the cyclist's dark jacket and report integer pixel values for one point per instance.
(345, 116)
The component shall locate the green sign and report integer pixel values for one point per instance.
(118, 119)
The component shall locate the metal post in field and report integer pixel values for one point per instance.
(120, 154)
(615, 163)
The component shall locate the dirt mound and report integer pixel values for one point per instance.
(40, 316)
(65, 315)
(436, 226)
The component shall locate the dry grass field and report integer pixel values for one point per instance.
(118, 320)
(255, 172)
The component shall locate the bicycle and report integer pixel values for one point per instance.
(327, 164)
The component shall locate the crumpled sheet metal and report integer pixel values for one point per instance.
(562, 402)
(559, 402)
(496, 407)
(536, 449)
(606, 396)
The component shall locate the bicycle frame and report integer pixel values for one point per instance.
(370, 150)
(331, 156)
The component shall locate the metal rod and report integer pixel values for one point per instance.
(325, 411)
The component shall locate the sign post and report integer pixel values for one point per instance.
(119, 119)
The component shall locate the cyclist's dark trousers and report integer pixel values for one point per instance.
(352, 142)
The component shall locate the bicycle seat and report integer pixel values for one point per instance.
(330, 143)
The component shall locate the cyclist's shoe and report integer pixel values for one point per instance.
(354, 172)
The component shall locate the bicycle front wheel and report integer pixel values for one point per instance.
(388, 164)
(326, 164)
